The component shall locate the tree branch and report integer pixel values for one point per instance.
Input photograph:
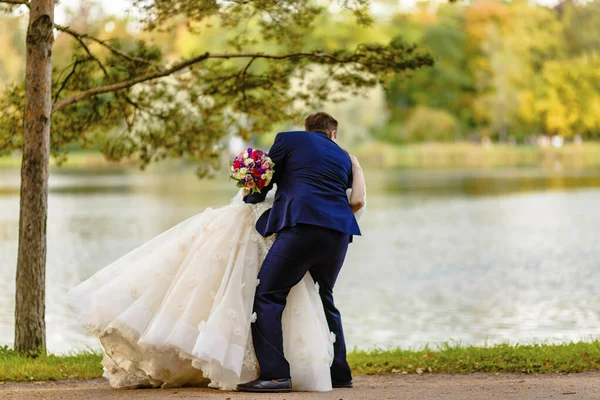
(87, 50)
(126, 84)
(80, 37)
(16, 2)
(71, 73)
(243, 72)
(178, 67)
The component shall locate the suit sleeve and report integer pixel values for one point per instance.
(350, 177)
(277, 154)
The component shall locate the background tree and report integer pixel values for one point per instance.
(446, 90)
(569, 99)
(11, 63)
(581, 23)
(137, 101)
(502, 69)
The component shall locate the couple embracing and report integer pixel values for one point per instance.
(240, 296)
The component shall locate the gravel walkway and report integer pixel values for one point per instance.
(406, 387)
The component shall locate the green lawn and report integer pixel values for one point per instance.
(17, 368)
(531, 359)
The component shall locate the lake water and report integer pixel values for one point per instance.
(470, 256)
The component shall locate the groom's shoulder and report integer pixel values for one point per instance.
(290, 135)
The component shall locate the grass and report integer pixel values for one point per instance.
(529, 359)
(14, 367)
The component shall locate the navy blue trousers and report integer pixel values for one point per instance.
(296, 250)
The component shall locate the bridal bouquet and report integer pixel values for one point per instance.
(253, 170)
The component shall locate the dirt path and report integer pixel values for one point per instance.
(406, 387)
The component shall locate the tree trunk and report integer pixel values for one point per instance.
(30, 324)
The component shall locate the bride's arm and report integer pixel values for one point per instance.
(357, 197)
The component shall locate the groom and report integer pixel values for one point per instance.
(314, 222)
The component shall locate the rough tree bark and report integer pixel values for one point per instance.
(30, 325)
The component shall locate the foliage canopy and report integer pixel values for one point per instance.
(131, 98)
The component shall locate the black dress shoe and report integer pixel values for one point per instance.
(263, 386)
(340, 385)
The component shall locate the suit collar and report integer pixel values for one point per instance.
(323, 134)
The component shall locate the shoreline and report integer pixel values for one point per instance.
(384, 155)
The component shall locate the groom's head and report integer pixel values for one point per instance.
(322, 122)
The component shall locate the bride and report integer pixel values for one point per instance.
(177, 310)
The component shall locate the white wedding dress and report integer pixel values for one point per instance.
(177, 310)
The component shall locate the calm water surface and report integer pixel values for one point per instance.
(471, 256)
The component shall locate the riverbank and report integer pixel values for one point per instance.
(527, 359)
(421, 155)
(76, 160)
(584, 386)
(469, 155)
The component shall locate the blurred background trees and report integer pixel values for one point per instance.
(503, 70)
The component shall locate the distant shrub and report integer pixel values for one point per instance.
(428, 124)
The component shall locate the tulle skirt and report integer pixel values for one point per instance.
(177, 310)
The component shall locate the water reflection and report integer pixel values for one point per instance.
(438, 260)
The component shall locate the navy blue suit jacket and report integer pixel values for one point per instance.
(312, 174)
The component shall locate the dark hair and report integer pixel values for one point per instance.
(320, 122)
